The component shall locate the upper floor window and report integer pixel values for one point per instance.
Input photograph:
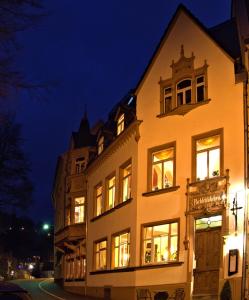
(160, 243)
(162, 167)
(79, 165)
(111, 192)
(184, 92)
(79, 209)
(99, 200)
(126, 183)
(120, 124)
(100, 145)
(121, 251)
(100, 255)
(208, 156)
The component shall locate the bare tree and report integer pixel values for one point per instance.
(15, 186)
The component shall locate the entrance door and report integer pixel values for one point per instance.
(207, 255)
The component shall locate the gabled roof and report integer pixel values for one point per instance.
(216, 38)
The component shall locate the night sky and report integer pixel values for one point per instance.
(96, 51)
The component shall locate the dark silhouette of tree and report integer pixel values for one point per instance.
(16, 16)
(16, 187)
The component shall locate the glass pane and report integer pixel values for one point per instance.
(111, 182)
(124, 238)
(200, 79)
(204, 223)
(188, 96)
(174, 228)
(116, 241)
(124, 255)
(127, 171)
(157, 177)
(116, 257)
(167, 104)
(147, 252)
(167, 90)
(103, 244)
(164, 252)
(173, 248)
(209, 142)
(157, 254)
(183, 84)
(79, 215)
(80, 200)
(200, 93)
(103, 259)
(168, 167)
(99, 190)
(97, 261)
(201, 166)
(179, 99)
(147, 232)
(99, 206)
(111, 197)
(160, 230)
(214, 163)
(163, 155)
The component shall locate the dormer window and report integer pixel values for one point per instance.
(186, 89)
(100, 145)
(79, 165)
(183, 92)
(120, 124)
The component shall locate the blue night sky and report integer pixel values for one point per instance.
(96, 51)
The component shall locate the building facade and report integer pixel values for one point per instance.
(167, 177)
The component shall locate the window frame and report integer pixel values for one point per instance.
(153, 224)
(120, 123)
(150, 164)
(122, 178)
(104, 239)
(118, 234)
(79, 205)
(107, 191)
(100, 184)
(184, 91)
(80, 164)
(195, 138)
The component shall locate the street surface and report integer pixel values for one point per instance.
(46, 289)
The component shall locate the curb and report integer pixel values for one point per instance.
(45, 291)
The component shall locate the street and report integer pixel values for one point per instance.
(46, 289)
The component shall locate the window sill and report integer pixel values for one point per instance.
(138, 268)
(162, 191)
(183, 109)
(111, 210)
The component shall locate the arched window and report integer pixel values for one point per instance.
(184, 92)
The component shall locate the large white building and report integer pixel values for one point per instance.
(166, 192)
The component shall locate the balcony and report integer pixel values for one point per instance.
(71, 233)
(207, 195)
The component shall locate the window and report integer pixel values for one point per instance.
(111, 192)
(160, 243)
(79, 165)
(121, 243)
(200, 89)
(99, 200)
(126, 183)
(167, 99)
(120, 124)
(162, 168)
(183, 92)
(100, 255)
(100, 145)
(208, 158)
(79, 209)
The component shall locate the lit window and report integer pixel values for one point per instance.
(184, 92)
(200, 88)
(100, 255)
(99, 200)
(167, 99)
(110, 192)
(121, 250)
(79, 210)
(163, 169)
(208, 157)
(209, 222)
(120, 124)
(79, 165)
(160, 243)
(100, 145)
(126, 183)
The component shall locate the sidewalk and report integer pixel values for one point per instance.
(53, 289)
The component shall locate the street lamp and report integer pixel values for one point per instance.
(45, 226)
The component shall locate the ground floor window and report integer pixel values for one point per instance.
(121, 251)
(160, 243)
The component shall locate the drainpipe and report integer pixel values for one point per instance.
(244, 290)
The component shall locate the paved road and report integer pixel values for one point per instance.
(46, 289)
